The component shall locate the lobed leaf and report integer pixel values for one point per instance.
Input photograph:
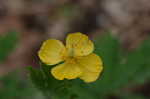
(7, 44)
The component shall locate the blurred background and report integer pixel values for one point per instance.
(25, 24)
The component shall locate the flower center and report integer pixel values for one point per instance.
(71, 60)
(71, 50)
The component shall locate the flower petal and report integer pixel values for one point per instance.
(52, 52)
(91, 66)
(66, 70)
(78, 44)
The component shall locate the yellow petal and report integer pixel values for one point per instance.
(52, 52)
(78, 44)
(66, 70)
(91, 66)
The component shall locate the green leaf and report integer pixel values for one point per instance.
(14, 86)
(136, 66)
(107, 47)
(143, 72)
(119, 70)
(37, 78)
(7, 44)
(56, 89)
(44, 81)
(65, 89)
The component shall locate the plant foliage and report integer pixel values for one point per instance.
(120, 69)
(7, 44)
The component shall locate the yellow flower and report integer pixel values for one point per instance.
(79, 61)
